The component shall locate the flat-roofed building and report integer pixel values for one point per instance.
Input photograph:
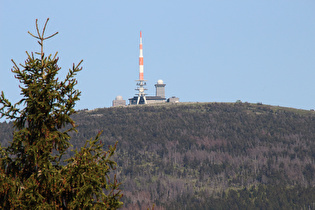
(173, 100)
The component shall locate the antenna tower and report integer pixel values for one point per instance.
(141, 82)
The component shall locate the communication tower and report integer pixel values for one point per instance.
(141, 82)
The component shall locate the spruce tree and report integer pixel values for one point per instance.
(32, 172)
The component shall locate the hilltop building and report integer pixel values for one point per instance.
(141, 97)
(119, 101)
(160, 88)
(173, 99)
(158, 98)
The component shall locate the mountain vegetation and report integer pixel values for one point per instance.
(206, 155)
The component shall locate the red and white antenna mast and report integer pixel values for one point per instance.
(141, 82)
(141, 59)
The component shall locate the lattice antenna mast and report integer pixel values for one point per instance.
(141, 82)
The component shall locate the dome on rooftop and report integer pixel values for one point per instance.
(119, 98)
(160, 81)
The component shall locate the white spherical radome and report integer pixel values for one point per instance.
(160, 81)
(119, 98)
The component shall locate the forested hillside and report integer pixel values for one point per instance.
(206, 155)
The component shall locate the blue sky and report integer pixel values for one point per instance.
(205, 51)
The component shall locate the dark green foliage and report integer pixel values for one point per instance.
(31, 173)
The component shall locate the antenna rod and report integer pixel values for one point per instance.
(141, 59)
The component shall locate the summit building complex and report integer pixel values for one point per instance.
(141, 97)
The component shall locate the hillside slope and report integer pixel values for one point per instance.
(198, 155)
